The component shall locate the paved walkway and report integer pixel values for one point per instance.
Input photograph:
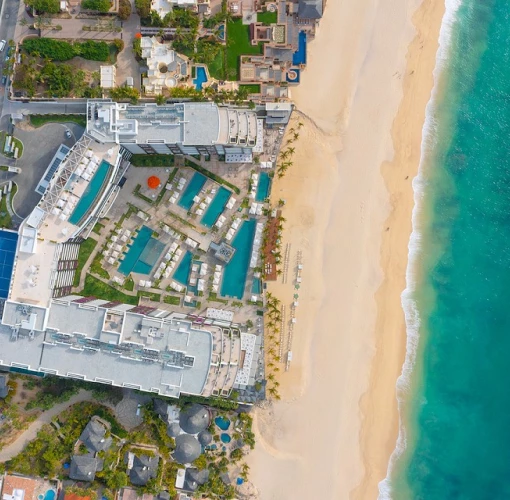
(45, 417)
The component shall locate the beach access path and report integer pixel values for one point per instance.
(44, 418)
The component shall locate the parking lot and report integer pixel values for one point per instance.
(39, 146)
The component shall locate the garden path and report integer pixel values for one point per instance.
(45, 417)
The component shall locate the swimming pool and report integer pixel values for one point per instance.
(195, 185)
(299, 57)
(216, 207)
(222, 422)
(49, 495)
(225, 438)
(201, 78)
(8, 242)
(263, 187)
(234, 277)
(256, 286)
(91, 192)
(221, 32)
(182, 272)
(142, 254)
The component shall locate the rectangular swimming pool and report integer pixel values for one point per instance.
(236, 271)
(263, 187)
(216, 207)
(182, 272)
(91, 192)
(195, 185)
(142, 254)
(8, 242)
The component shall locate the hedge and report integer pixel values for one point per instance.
(59, 50)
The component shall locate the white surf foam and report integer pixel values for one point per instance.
(409, 305)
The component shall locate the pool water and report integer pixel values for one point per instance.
(195, 185)
(236, 271)
(201, 78)
(91, 192)
(222, 422)
(182, 272)
(216, 207)
(263, 187)
(49, 495)
(299, 57)
(225, 438)
(8, 242)
(142, 254)
(221, 32)
(256, 287)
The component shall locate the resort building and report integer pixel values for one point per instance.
(45, 329)
(165, 66)
(182, 128)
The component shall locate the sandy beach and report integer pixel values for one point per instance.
(349, 200)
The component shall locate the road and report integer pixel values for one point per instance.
(45, 417)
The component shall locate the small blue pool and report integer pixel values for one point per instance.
(201, 78)
(8, 242)
(225, 438)
(216, 207)
(293, 75)
(299, 57)
(142, 254)
(221, 32)
(49, 495)
(195, 185)
(256, 287)
(236, 271)
(182, 272)
(222, 422)
(263, 187)
(90, 194)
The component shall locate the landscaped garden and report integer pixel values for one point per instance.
(40, 120)
(238, 43)
(61, 69)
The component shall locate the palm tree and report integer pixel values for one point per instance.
(271, 376)
(291, 150)
(296, 136)
(300, 124)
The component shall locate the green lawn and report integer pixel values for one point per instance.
(172, 299)
(86, 248)
(39, 120)
(97, 227)
(253, 88)
(96, 288)
(238, 43)
(129, 284)
(152, 160)
(267, 17)
(5, 218)
(217, 66)
(154, 297)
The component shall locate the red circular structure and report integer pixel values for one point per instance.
(153, 182)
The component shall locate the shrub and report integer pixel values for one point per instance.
(119, 44)
(99, 5)
(58, 50)
(47, 6)
(124, 9)
(124, 93)
(143, 7)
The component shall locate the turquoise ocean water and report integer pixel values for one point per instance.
(454, 392)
